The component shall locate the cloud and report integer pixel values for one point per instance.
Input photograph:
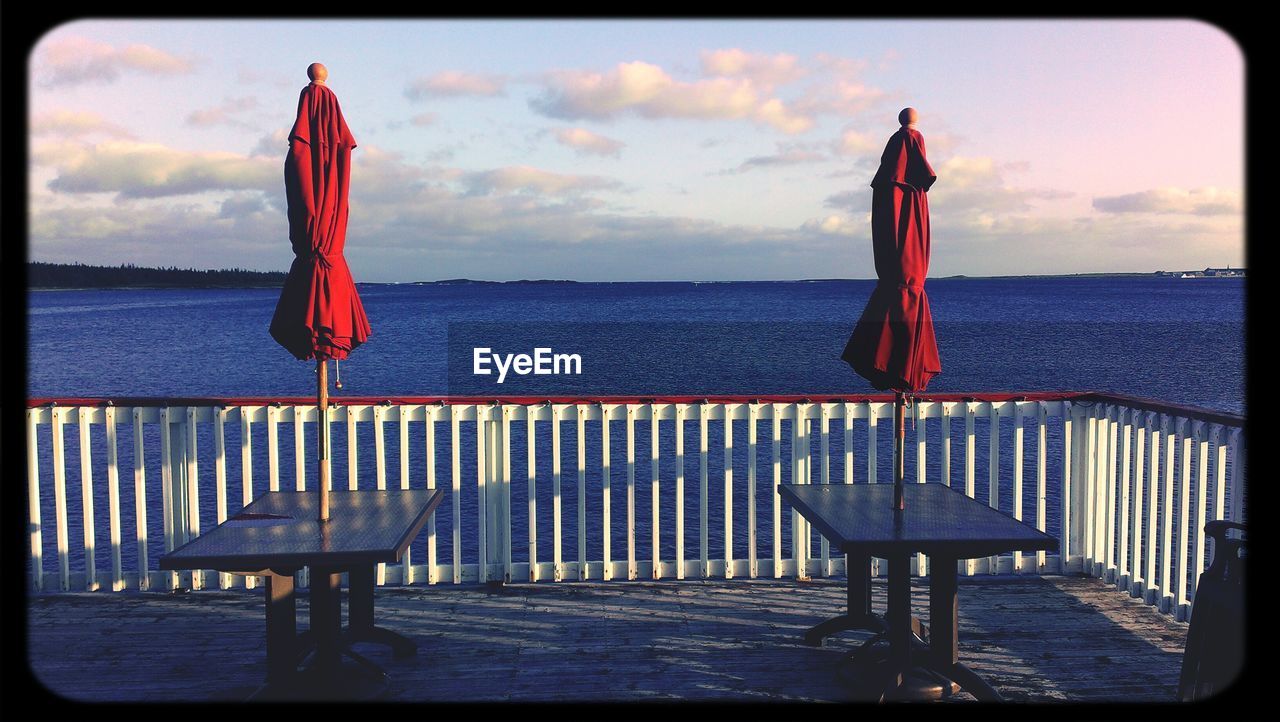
(855, 142)
(223, 114)
(842, 97)
(1197, 201)
(72, 124)
(646, 90)
(837, 225)
(274, 144)
(975, 187)
(454, 83)
(766, 71)
(527, 179)
(74, 60)
(784, 157)
(424, 119)
(584, 142)
(145, 170)
(412, 222)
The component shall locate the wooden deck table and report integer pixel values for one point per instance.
(939, 522)
(278, 534)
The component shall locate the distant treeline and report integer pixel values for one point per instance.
(78, 275)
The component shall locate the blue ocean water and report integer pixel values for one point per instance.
(1172, 340)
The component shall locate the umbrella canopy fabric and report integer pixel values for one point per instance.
(319, 314)
(893, 344)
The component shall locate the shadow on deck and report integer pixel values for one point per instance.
(1049, 639)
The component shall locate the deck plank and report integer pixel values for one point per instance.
(1050, 639)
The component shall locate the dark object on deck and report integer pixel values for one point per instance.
(1214, 657)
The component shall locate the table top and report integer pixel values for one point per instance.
(279, 531)
(938, 520)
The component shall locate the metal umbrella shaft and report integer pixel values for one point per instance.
(322, 387)
(899, 451)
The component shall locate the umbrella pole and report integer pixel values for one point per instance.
(899, 452)
(322, 388)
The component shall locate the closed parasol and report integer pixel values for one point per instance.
(893, 344)
(319, 315)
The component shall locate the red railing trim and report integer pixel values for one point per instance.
(528, 400)
(1191, 412)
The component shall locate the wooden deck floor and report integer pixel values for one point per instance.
(1046, 639)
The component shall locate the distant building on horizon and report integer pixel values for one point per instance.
(1227, 272)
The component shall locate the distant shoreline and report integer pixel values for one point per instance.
(67, 277)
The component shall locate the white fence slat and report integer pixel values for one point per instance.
(429, 451)
(531, 481)
(580, 410)
(776, 437)
(406, 562)
(62, 535)
(380, 456)
(632, 571)
(1126, 478)
(945, 446)
(1201, 502)
(703, 551)
(797, 523)
(728, 494)
(113, 501)
(33, 504)
(1237, 475)
(993, 471)
(1166, 528)
(607, 509)
(680, 412)
(655, 535)
(1219, 435)
(353, 448)
(140, 500)
(220, 476)
(1149, 582)
(482, 494)
(1137, 581)
(752, 564)
(1113, 427)
(1184, 512)
(86, 500)
(273, 448)
(921, 429)
(557, 523)
(970, 452)
(1018, 442)
(299, 451)
(455, 490)
(1069, 428)
(193, 492)
(246, 467)
(824, 477)
(504, 522)
(1042, 478)
(848, 443)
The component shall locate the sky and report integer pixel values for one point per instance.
(624, 150)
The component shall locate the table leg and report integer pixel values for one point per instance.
(898, 619)
(282, 660)
(944, 611)
(326, 617)
(858, 614)
(360, 626)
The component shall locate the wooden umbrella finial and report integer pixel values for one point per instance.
(318, 73)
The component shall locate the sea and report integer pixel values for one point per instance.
(1172, 340)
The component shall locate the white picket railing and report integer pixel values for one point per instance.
(1111, 477)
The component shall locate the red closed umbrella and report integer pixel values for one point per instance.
(893, 345)
(319, 315)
